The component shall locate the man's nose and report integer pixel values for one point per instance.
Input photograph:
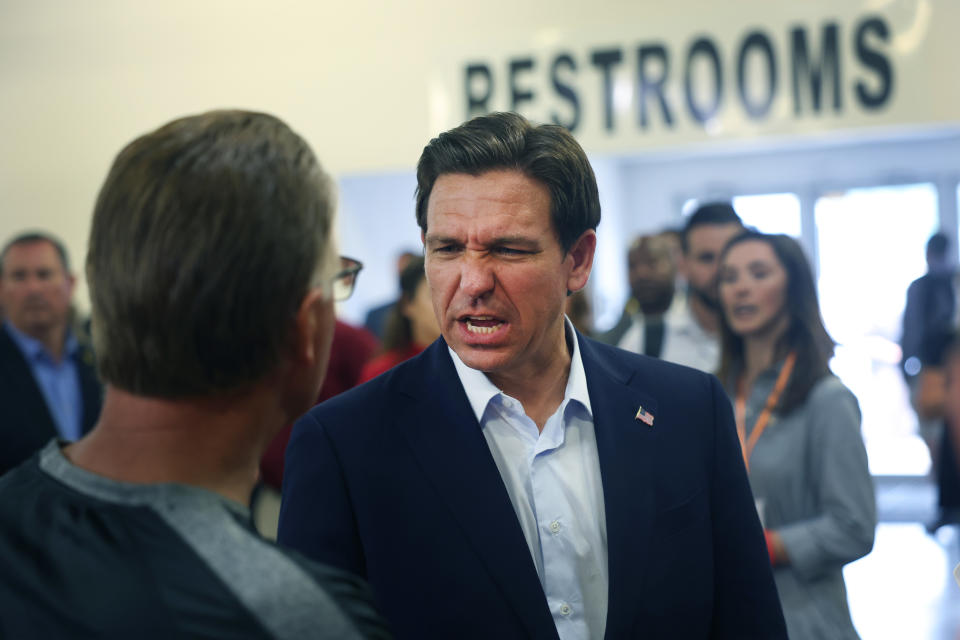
(476, 276)
(33, 283)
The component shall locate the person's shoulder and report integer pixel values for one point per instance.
(830, 397)
(830, 387)
(355, 336)
(375, 395)
(614, 334)
(20, 484)
(919, 283)
(8, 348)
(395, 377)
(318, 600)
(653, 373)
(380, 364)
(380, 309)
(350, 593)
(603, 351)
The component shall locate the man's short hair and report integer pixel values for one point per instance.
(718, 213)
(32, 237)
(206, 236)
(547, 153)
(655, 245)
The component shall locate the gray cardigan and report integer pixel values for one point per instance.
(809, 474)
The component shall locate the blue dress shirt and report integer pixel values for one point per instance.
(553, 480)
(58, 381)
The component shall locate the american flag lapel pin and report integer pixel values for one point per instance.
(644, 416)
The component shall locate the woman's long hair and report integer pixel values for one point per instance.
(805, 332)
(398, 333)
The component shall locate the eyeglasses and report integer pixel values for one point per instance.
(346, 279)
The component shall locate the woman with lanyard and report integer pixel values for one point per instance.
(799, 428)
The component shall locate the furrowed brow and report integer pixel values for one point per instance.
(516, 241)
(432, 240)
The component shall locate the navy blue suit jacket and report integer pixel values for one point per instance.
(26, 423)
(394, 481)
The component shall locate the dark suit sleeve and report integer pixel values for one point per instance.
(746, 604)
(316, 516)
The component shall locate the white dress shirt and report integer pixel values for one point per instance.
(553, 480)
(684, 341)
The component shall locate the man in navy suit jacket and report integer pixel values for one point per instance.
(518, 480)
(48, 383)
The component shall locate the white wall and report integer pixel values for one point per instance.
(369, 82)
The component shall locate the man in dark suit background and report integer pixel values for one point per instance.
(518, 480)
(48, 386)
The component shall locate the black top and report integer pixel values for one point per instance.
(82, 556)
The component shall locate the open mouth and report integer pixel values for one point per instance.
(743, 310)
(482, 325)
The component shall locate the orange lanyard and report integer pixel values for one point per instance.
(764, 418)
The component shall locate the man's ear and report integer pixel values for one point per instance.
(581, 253)
(310, 330)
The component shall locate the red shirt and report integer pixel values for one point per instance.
(387, 360)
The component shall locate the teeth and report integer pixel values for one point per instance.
(482, 330)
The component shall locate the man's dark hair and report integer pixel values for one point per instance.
(206, 236)
(33, 237)
(937, 245)
(718, 213)
(547, 153)
(805, 333)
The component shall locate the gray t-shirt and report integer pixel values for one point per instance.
(82, 556)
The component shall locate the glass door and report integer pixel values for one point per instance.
(871, 245)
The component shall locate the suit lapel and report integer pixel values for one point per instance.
(446, 440)
(626, 447)
(21, 386)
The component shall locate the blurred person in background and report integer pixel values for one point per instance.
(936, 401)
(48, 383)
(799, 428)
(930, 314)
(931, 305)
(645, 325)
(704, 235)
(412, 325)
(213, 275)
(377, 317)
